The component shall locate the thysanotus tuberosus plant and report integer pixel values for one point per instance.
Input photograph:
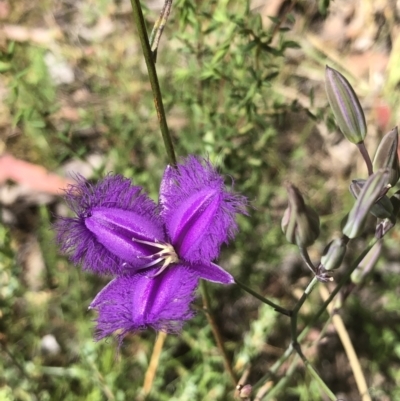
(176, 233)
(157, 254)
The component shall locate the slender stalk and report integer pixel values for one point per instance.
(299, 304)
(153, 365)
(282, 19)
(349, 349)
(273, 370)
(262, 299)
(216, 333)
(155, 86)
(306, 258)
(365, 155)
(158, 28)
(281, 384)
(341, 283)
(314, 373)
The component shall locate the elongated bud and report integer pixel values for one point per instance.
(300, 223)
(382, 209)
(371, 191)
(386, 155)
(345, 106)
(334, 254)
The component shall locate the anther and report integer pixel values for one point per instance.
(167, 254)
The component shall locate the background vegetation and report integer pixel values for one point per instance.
(247, 91)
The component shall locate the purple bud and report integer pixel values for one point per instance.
(381, 209)
(386, 155)
(334, 254)
(370, 193)
(300, 223)
(345, 106)
(245, 391)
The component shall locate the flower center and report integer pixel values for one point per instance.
(166, 254)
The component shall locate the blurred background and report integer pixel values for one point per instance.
(243, 84)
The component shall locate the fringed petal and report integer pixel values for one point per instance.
(198, 211)
(119, 232)
(133, 303)
(105, 211)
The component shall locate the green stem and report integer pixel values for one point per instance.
(341, 283)
(281, 384)
(365, 155)
(314, 373)
(306, 259)
(215, 330)
(262, 299)
(275, 367)
(299, 304)
(155, 86)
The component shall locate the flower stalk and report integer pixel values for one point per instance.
(278, 308)
(153, 78)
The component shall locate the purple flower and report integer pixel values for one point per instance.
(158, 252)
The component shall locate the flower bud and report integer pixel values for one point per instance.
(386, 155)
(300, 223)
(334, 254)
(357, 276)
(382, 209)
(345, 106)
(244, 391)
(371, 191)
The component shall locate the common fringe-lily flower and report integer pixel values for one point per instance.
(157, 252)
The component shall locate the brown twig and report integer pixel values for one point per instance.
(283, 18)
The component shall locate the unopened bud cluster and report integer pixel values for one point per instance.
(300, 222)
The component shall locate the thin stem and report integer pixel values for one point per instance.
(314, 373)
(299, 304)
(216, 333)
(273, 370)
(341, 283)
(154, 360)
(349, 349)
(365, 155)
(262, 299)
(281, 384)
(282, 19)
(155, 86)
(306, 259)
(158, 28)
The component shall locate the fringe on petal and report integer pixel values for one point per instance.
(134, 303)
(77, 241)
(192, 177)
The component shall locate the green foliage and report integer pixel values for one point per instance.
(220, 72)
